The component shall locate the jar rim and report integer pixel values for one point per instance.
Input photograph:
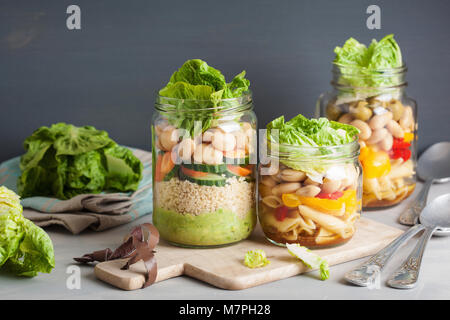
(168, 104)
(394, 70)
(345, 77)
(307, 153)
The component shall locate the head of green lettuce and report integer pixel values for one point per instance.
(25, 249)
(302, 143)
(378, 65)
(197, 92)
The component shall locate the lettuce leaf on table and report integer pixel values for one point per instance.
(25, 249)
(363, 66)
(63, 161)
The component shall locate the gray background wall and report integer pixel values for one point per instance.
(107, 74)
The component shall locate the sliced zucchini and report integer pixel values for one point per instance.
(172, 173)
(236, 157)
(205, 179)
(219, 168)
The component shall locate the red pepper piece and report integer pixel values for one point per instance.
(281, 213)
(332, 196)
(400, 144)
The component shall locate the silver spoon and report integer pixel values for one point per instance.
(366, 274)
(436, 214)
(433, 167)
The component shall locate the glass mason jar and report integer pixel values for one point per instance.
(204, 156)
(377, 105)
(310, 195)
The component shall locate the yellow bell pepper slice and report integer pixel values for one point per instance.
(346, 204)
(376, 164)
(291, 200)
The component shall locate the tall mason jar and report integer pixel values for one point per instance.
(387, 120)
(204, 157)
(310, 195)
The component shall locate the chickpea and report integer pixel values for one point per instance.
(396, 108)
(362, 111)
(333, 111)
(198, 152)
(346, 118)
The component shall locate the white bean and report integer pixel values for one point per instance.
(223, 141)
(380, 120)
(330, 186)
(377, 136)
(387, 142)
(406, 120)
(364, 129)
(212, 156)
(185, 149)
(169, 138)
(395, 129)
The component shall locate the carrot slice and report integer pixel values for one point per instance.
(158, 175)
(166, 163)
(193, 173)
(235, 154)
(240, 171)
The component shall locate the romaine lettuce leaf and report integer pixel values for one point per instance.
(25, 249)
(256, 259)
(366, 67)
(303, 132)
(195, 86)
(310, 259)
(64, 161)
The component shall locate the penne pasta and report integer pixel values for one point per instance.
(326, 221)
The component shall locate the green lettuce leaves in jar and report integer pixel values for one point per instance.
(63, 161)
(25, 249)
(363, 66)
(197, 91)
(310, 259)
(302, 137)
(256, 259)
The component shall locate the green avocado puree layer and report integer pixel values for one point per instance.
(207, 229)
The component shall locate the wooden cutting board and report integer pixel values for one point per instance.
(224, 268)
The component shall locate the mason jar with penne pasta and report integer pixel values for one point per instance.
(310, 195)
(372, 98)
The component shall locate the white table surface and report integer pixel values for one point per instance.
(434, 282)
